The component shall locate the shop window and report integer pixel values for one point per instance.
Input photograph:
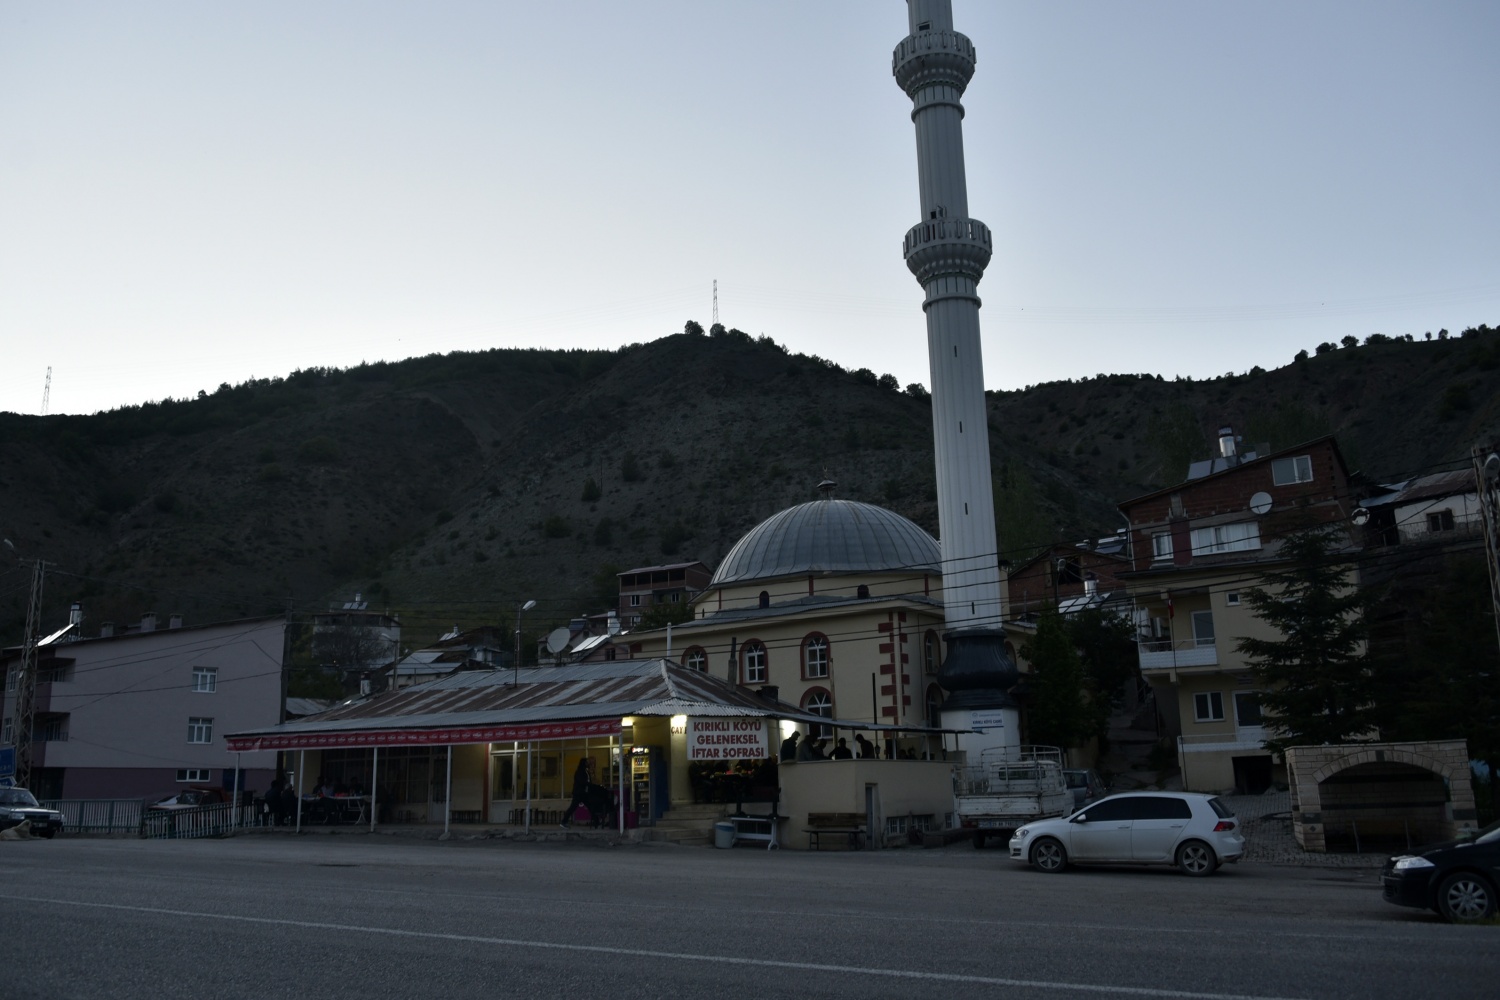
(815, 657)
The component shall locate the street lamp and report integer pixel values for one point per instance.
(515, 669)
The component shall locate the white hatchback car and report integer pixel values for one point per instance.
(1195, 832)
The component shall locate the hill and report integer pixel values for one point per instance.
(447, 488)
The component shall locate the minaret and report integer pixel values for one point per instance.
(948, 251)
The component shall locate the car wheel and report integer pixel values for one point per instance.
(1049, 855)
(1197, 858)
(978, 841)
(1465, 897)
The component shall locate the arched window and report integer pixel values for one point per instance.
(934, 706)
(695, 658)
(765, 598)
(814, 657)
(817, 701)
(753, 662)
(930, 652)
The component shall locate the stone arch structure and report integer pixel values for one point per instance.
(1394, 792)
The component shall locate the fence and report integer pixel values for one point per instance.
(129, 816)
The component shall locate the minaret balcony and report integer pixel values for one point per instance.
(933, 57)
(942, 247)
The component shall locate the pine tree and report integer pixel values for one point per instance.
(1316, 679)
(1056, 712)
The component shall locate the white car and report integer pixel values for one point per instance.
(1195, 832)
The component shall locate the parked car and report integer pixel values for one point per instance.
(191, 798)
(1193, 831)
(17, 805)
(1086, 786)
(1459, 879)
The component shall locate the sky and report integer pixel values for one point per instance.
(193, 194)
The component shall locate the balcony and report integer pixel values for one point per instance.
(1165, 654)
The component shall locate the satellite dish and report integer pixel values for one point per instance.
(1359, 517)
(557, 639)
(1260, 503)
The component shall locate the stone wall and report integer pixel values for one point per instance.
(1387, 796)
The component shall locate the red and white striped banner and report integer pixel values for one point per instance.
(451, 736)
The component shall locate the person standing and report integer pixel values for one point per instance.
(789, 747)
(581, 782)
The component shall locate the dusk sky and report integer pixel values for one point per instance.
(200, 193)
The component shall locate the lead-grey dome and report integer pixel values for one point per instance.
(829, 536)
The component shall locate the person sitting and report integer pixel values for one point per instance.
(842, 751)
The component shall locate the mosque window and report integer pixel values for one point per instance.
(819, 702)
(930, 652)
(934, 706)
(815, 656)
(695, 658)
(765, 598)
(754, 655)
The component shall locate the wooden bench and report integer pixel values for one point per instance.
(849, 826)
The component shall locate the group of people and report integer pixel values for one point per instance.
(279, 806)
(794, 748)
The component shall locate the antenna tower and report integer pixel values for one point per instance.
(716, 306)
(47, 391)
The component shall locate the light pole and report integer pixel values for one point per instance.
(515, 669)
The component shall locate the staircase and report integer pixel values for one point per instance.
(689, 825)
(1132, 736)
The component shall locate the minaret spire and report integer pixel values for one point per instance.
(947, 252)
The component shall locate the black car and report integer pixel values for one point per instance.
(18, 805)
(1458, 879)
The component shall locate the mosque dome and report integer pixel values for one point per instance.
(829, 536)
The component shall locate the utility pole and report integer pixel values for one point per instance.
(23, 716)
(1487, 484)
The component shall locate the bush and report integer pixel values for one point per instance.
(630, 468)
(556, 526)
(321, 450)
(591, 491)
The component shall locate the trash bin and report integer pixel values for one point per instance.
(723, 834)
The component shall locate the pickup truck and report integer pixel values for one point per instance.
(1008, 788)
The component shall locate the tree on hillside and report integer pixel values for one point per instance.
(1317, 683)
(1106, 648)
(1056, 711)
(662, 615)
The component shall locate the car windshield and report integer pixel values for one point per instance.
(1489, 835)
(16, 797)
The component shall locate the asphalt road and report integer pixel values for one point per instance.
(374, 917)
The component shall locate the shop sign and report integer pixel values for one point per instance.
(728, 739)
(982, 722)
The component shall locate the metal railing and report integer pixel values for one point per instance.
(99, 815)
(217, 820)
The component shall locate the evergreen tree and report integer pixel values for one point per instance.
(1316, 679)
(1056, 712)
(1106, 646)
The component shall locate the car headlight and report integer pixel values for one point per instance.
(1022, 833)
(1408, 863)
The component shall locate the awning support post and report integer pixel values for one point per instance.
(234, 815)
(623, 763)
(374, 785)
(301, 770)
(530, 754)
(448, 792)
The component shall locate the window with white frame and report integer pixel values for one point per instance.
(755, 662)
(1232, 598)
(10, 680)
(7, 731)
(696, 659)
(200, 730)
(635, 600)
(1208, 706)
(1203, 628)
(50, 729)
(1440, 520)
(934, 706)
(819, 702)
(815, 657)
(205, 680)
(1288, 471)
(1161, 546)
(194, 774)
(1241, 536)
(930, 653)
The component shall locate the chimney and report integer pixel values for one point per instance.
(106, 630)
(1091, 585)
(75, 614)
(148, 621)
(1226, 443)
(174, 620)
